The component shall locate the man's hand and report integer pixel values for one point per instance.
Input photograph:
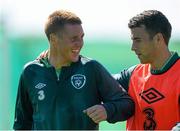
(97, 113)
(176, 128)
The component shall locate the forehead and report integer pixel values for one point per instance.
(139, 32)
(73, 29)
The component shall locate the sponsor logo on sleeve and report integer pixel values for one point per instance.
(41, 94)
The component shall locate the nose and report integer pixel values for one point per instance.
(79, 42)
(133, 48)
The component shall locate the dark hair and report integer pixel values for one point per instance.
(58, 19)
(154, 22)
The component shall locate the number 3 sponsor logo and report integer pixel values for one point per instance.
(41, 95)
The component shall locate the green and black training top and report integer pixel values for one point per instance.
(56, 102)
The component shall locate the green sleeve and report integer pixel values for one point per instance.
(123, 78)
(119, 106)
(23, 109)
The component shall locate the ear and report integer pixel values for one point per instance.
(158, 38)
(52, 38)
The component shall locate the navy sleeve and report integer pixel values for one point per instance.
(123, 78)
(23, 109)
(119, 106)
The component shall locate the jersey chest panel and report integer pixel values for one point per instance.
(156, 98)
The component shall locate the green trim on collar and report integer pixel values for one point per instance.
(46, 62)
(174, 57)
(58, 71)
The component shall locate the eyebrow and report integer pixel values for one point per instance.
(135, 38)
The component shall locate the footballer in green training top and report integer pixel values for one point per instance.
(63, 90)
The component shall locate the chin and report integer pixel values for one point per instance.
(144, 62)
(75, 59)
(141, 61)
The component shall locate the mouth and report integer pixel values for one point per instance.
(138, 54)
(75, 51)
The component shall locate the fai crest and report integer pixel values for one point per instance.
(78, 81)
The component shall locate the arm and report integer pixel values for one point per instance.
(23, 109)
(118, 105)
(123, 77)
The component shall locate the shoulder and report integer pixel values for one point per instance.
(127, 72)
(85, 60)
(123, 77)
(32, 66)
(131, 69)
(88, 61)
(92, 64)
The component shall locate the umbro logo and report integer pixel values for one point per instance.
(151, 95)
(40, 85)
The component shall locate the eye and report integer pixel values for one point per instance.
(136, 40)
(82, 36)
(73, 39)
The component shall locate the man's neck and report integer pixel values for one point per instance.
(56, 60)
(160, 60)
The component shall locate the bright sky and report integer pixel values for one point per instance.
(100, 17)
